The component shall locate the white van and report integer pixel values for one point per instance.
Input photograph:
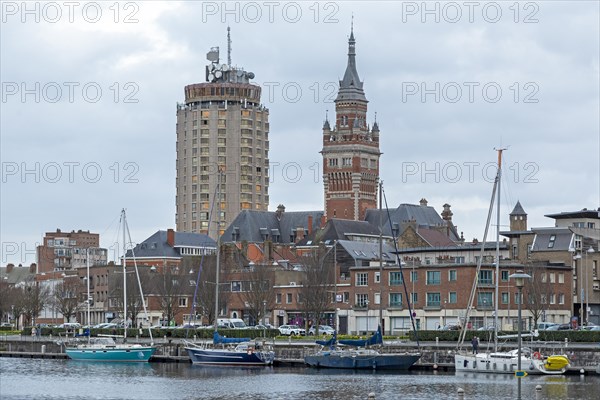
(231, 323)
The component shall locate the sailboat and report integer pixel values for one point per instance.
(363, 353)
(105, 348)
(228, 351)
(502, 362)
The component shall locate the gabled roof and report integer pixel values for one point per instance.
(252, 226)
(552, 239)
(157, 246)
(424, 216)
(17, 275)
(435, 238)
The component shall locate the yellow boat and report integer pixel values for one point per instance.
(556, 363)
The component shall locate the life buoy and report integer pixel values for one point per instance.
(537, 355)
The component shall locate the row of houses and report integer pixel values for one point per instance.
(417, 263)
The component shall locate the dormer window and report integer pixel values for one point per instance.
(551, 242)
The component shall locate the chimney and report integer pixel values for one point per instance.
(9, 268)
(33, 268)
(280, 211)
(310, 224)
(423, 202)
(299, 234)
(171, 237)
(447, 214)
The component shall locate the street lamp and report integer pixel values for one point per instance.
(587, 301)
(519, 278)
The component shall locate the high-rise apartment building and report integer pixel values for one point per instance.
(221, 127)
(350, 150)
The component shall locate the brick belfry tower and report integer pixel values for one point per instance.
(350, 150)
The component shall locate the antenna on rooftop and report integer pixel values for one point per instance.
(228, 46)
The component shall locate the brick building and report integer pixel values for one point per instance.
(62, 251)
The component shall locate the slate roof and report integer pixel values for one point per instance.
(425, 216)
(585, 213)
(367, 251)
(518, 210)
(435, 238)
(252, 226)
(157, 246)
(16, 276)
(563, 239)
(340, 229)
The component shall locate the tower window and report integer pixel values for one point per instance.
(347, 161)
(333, 162)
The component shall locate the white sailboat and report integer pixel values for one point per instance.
(105, 348)
(500, 362)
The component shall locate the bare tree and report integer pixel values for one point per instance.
(66, 297)
(538, 290)
(11, 301)
(34, 300)
(256, 290)
(317, 288)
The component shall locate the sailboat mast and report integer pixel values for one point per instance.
(87, 263)
(217, 267)
(124, 275)
(380, 256)
(497, 279)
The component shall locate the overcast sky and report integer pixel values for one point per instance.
(89, 97)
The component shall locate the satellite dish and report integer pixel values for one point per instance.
(218, 74)
(240, 73)
(213, 56)
(211, 77)
(250, 75)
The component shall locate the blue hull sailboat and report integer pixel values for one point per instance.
(359, 355)
(231, 352)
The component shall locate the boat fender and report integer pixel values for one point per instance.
(249, 352)
(537, 355)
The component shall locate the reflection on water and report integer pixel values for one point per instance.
(63, 379)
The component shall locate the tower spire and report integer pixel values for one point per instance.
(228, 46)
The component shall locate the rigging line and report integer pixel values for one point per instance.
(410, 310)
(137, 274)
(463, 331)
(210, 216)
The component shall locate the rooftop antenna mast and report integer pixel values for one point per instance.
(228, 46)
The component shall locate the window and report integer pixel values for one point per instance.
(452, 297)
(377, 277)
(346, 161)
(484, 299)
(183, 302)
(362, 299)
(517, 300)
(278, 298)
(333, 162)
(552, 298)
(395, 299)
(236, 286)
(414, 298)
(289, 298)
(543, 277)
(552, 277)
(346, 297)
(543, 299)
(551, 241)
(395, 278)
(433, 299)
(362, 279)
(452, 275)
(504, 298)
(504, 276)
(433, 277)
(377, 298)
(486, 277)
(561, 277)
(414, 277)
(561, 298)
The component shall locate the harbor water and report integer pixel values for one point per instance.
(66, 379)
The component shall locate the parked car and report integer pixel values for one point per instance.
(487, 328)
(450, 327)
(323, 330)
(70, 325)
(543, 326)
(291, 330)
